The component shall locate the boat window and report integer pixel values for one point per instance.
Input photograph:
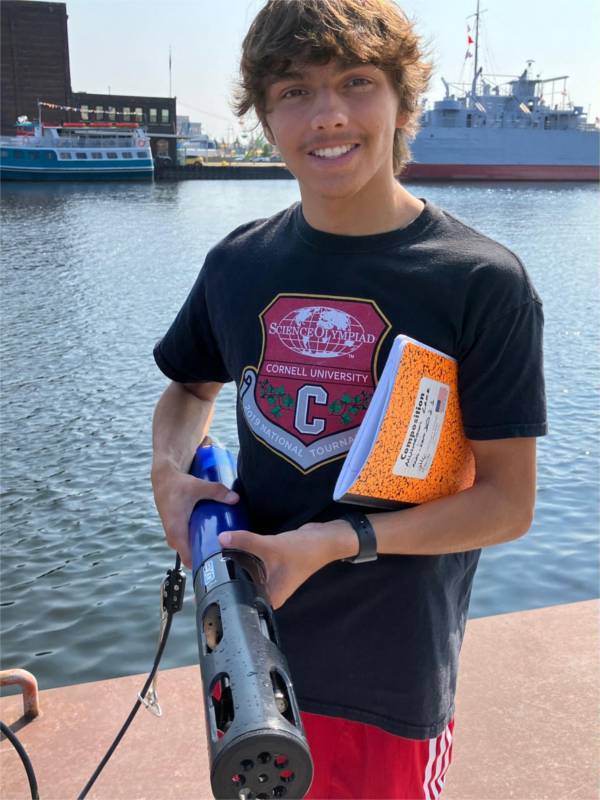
(85, 112)
(3, 153)
(126, 155)
(50, 156)
(153, 115)
(96, 155)
(112, 113)
(34, 154)
(99, 112)
(164, 115)
(111, 155)
(64, 156)
(80, 155)
(18, 154)
(142, 154)
(126, 111)
(139, 114)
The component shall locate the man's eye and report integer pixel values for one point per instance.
(292, 93)
(359, 82)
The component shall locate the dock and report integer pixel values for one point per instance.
(527, 725)
(222, 172)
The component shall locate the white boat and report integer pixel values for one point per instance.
(80, 151)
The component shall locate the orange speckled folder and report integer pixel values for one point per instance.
(410, 447)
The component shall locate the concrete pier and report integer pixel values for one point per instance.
(527, 724)
(222, 172)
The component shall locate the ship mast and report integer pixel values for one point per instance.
(476, 47)
(477, 14)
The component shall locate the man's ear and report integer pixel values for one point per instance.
(401, 119)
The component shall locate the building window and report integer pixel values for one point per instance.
(85, 115)
(139, 114)
(126, 111)
(111, 113)
(99, 112)
(164, 116)
(126, 155)
(96, 155)
(111, 155)
(80, 155)
(64, 156)
(153, 115)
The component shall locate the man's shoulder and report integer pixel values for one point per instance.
(480, 259)
(462, 238)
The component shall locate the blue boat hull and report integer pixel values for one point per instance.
(8, 174)
(23, 162)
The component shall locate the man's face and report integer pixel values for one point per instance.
(334, 126)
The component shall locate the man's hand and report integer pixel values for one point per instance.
(290, 558)
(175, 494)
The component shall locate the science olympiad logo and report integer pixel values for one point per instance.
(316, 376)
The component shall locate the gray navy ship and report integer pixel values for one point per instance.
(505, 131)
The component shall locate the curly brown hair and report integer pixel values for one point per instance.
(377, 32)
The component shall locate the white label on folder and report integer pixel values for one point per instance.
(423, 434)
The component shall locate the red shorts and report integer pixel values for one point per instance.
(354, 760)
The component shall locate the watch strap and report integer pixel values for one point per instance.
(367, 541)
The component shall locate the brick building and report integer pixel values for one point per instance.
(158, 115)
(34, 59)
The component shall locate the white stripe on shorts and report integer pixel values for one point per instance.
(437, 764)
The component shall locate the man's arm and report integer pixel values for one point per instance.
(497, 508)
(181, 420)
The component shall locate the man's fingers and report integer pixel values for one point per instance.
(241, 540)
(211, 490)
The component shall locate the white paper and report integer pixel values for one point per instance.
(423, 434)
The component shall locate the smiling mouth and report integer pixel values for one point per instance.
(333, 152)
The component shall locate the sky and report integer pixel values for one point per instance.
(124, 45)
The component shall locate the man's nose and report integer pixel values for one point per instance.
(329, 111)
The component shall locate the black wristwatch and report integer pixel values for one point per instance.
(367, 542)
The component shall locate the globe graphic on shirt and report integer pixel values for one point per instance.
(320, 332)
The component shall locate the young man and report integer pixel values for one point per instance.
(300, 310)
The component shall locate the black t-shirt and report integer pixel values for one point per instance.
(302, 321)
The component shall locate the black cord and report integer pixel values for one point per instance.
(24, 758)
(138, 702)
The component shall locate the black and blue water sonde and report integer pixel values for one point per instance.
(256, 741)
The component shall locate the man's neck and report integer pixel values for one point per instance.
(362, 215)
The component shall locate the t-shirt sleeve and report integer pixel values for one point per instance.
(501, 379)
(189, 351)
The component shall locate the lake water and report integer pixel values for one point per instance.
(92, 276)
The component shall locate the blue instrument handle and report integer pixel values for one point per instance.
(209, 518)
